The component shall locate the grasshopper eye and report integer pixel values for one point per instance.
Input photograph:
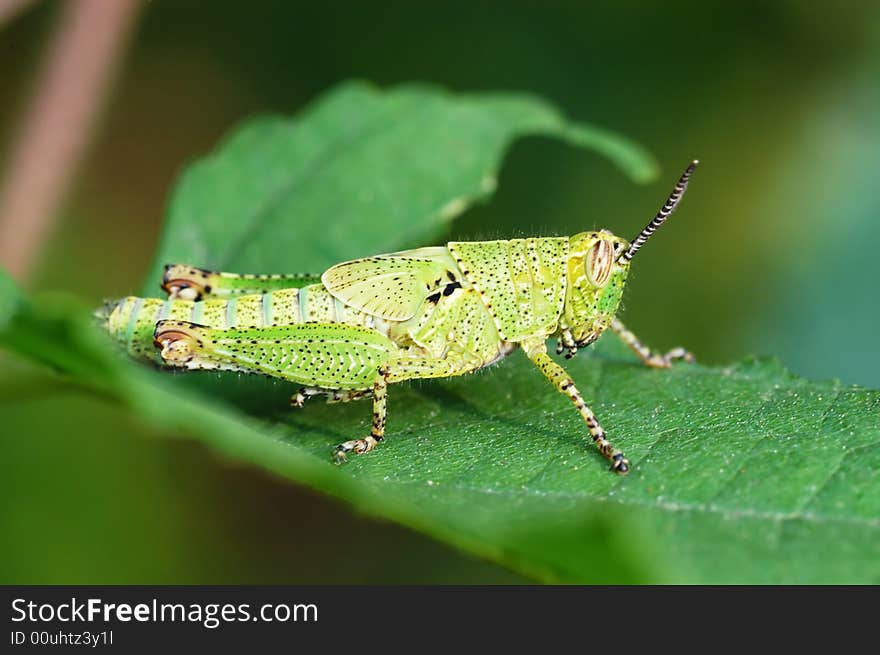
(598, 263)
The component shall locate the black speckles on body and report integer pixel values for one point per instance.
(391, 287)
(450, 288)
(521, 282)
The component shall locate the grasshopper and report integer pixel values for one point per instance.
(426, 313)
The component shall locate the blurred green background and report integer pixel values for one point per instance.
(772, 252)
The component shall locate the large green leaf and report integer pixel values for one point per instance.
(741, 474)
(360, 172)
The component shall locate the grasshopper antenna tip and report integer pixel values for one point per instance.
(664, 213)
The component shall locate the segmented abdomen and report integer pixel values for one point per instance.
(133, 319)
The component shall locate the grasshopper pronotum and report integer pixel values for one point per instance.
(424, 313)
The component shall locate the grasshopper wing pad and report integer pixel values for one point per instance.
(329, 356)
(521, 282)
(391, 287)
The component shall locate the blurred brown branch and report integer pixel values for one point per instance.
(8, 8)
(58, 123)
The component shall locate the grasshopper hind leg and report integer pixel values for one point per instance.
(377, 428)
(342, 361)
(184, 282)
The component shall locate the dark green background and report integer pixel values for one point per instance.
(772, 251)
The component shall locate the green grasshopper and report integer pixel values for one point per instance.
(426, 313)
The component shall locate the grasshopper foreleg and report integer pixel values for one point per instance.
(648, 357)
(566, 343)
(557, 375)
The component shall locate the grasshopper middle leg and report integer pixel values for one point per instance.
(299, 399)
(560, 379)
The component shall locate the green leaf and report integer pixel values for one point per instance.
(10, 297)
(362, 172)
(740, 474)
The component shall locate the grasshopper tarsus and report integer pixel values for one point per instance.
(620, 464)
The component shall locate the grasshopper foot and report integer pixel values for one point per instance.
(299, 399)
(358, 446)
(620, 464)
(680, 353)
(666, 361)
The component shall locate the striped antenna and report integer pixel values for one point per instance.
(664, 213)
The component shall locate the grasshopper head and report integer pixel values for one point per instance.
(597, 268)
(596, 276)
